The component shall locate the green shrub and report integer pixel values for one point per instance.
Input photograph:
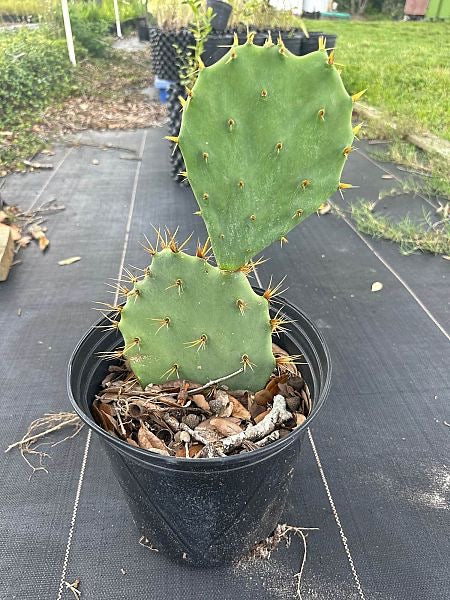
(34, 69)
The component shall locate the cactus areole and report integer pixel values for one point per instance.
(265, 135)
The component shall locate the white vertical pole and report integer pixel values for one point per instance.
(116, 12)
(68, 30)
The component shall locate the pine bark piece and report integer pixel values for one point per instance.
(6, 251)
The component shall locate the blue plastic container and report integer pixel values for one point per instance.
(163, 86)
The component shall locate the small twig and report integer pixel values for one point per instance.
(215, 381)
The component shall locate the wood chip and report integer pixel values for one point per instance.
(6, 251)
(69, 261)
(376, 286)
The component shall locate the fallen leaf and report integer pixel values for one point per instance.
(3, 216)
(225, 426)
(37, 232)
(24, 241)
(207, 431)
(43, 242)
(149, 441)
(387, 177)
(238, 410)
(199, 400)
(263, 397)
(221, 405)
(300, 419)
(376, 286)
(69, 261)
(16, 233)
(261, 416)
(445, 257)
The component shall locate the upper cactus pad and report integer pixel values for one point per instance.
(264, 135)
(187, 319)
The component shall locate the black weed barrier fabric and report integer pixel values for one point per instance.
(380, 439)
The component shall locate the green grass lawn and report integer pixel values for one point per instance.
(405, 67)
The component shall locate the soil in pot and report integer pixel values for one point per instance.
(186, 420)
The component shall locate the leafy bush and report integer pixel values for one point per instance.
(26, 8)
(34, 69)
(90, 35)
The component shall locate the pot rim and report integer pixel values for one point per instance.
(235, 460)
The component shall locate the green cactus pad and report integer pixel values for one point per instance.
(187, 319)
(264, 135)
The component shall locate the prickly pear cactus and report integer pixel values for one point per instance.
(187, 319)
(265, 135)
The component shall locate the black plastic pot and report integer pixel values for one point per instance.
(311, 44)
(293, 42)
(216, 46)
(203, 511)
(221, 11)
(143, 32)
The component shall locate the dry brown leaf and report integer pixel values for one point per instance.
(221, 405)
(43, 243)
(207, 431)
(300, 419)
(225, 426)
(376, 286)
(149, 441)
(199, 400)
(238, 410)
(16, 233)
(24, 241)
(69, 261)
(263, 397)
(261, 416)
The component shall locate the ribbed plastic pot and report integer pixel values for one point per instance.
(203, 511)
(221, 11)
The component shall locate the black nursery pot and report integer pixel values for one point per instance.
(311, 44)
(203, 511)
(221, 11)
